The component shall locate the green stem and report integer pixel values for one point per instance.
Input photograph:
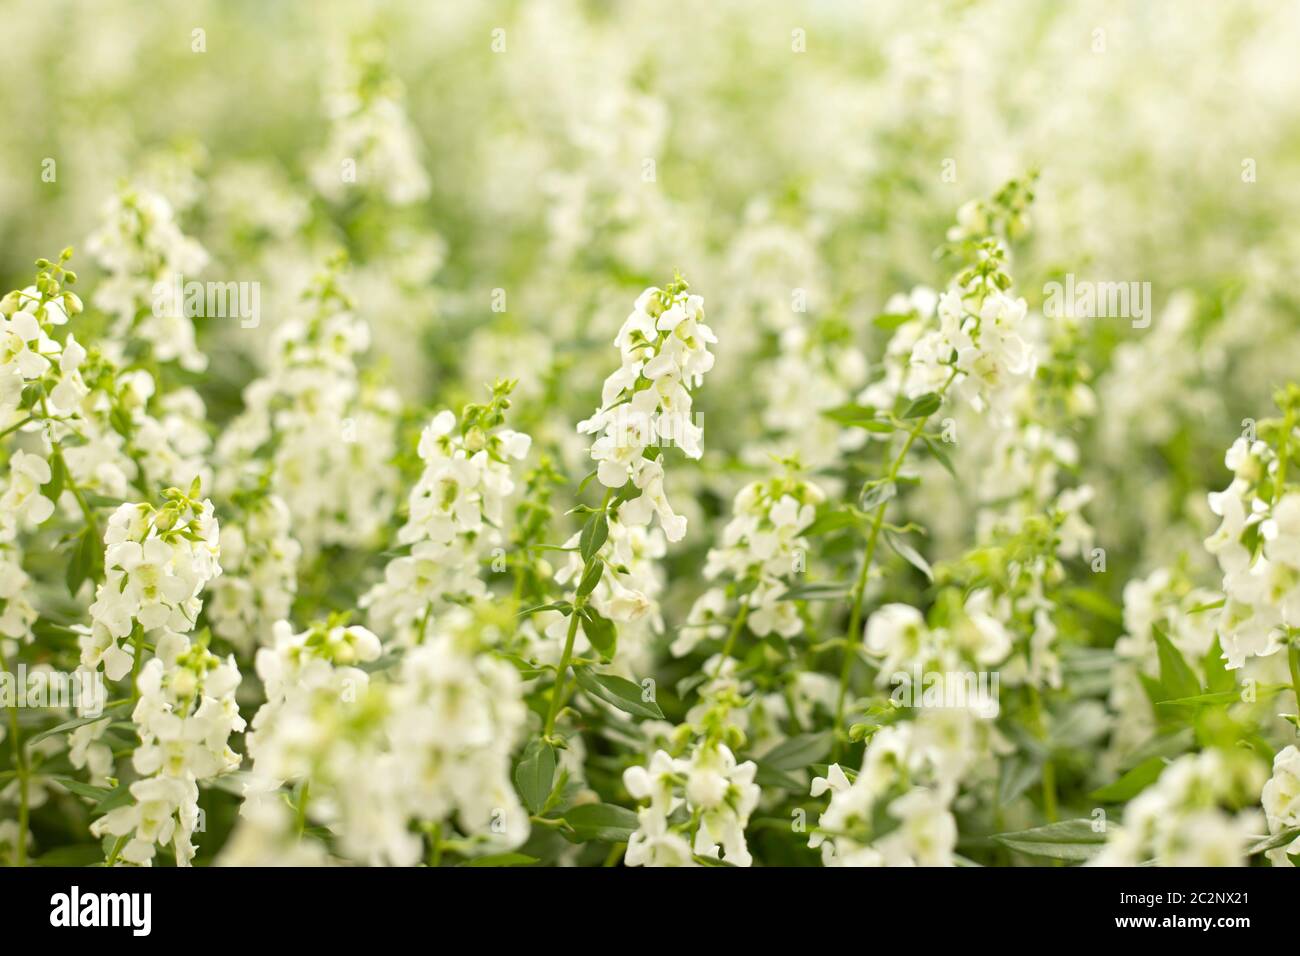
(1293, 659)
(562, 672)
(615, 854)
(117, 848)
(22, 770)
(860, 586)
(560, 675)
(435, 844)
(736, 627)
(15, 427)
(57, 452)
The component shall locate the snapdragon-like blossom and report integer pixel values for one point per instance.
(979, 340)
(761, 544)
(1281, 800)
(647, 402)
(185, 716)
(432, 744)
(259, 559)
(1187, 817)
(314, 429)
(156, 564)
(885, 815)
(372, 145)
(142, 248)
(456, 510)
(1257, 545)
(718, 794)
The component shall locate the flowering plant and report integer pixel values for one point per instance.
(409, 507)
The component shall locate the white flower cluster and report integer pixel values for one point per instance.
(1181, 819)
(647, 403)
(914, 313)
(372, 144)
(1022, 479)
(761, 544)
(456, 510)
(1281, 799)
(1258, 548)
(259, 563)
(881, 817)
(898, 636)
(321, 661)
(315, 431)
(156, 564)
(17, 614)
(716, 796)
(979, 338)
(811, 374)
(141, 247)
(28, 352)
(185, 716)
(432, 745)
(22, 508)
(628, 592)
(96, 401)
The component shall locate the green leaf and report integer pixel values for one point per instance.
(120, 797)
(1016, 775)
(1281, 838)
(911, 556)
(78, 854)
(1068, 840)
(889, 321)
(876, 493)
(562, 606)
(618, 691)
(1202, 700)
(1098, 605)
(602, 821)
(923, 406)
(941, 455)
(847, 414)
(501, 859)
(594, 534)
(816, 591)
(58, 476)
(76, 722)
(1217, 676)
(600, 632)
(772, 778)
(1176, 677)
(591, 577)
(859, 416)
(535, 774)
(87, 560)
(1130, 784)
(832, 520)
(97, 794)
(795, 753)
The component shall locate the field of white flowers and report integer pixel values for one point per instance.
(650, 433)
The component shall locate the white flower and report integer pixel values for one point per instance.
(455, 511)
(1180, 819)
(22, 502)
(717, 792)
(655, 844)
(898, 634)
(1281, 800)
(664, 346)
